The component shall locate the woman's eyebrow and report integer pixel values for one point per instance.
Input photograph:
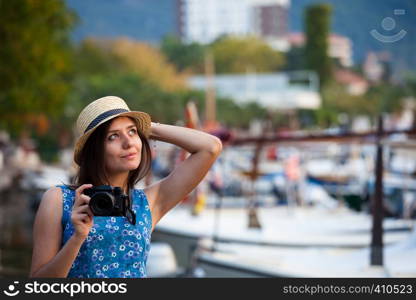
(128, 127)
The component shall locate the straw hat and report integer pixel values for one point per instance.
(100, 111)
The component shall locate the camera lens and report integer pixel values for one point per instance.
(101, 204)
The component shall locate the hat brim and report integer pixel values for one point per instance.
(143, 121)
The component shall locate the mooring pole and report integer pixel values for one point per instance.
(377, 202)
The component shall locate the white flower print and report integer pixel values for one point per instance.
(114, 247)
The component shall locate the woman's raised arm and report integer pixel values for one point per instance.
(204, 149)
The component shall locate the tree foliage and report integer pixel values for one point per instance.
(317, 28)
(186, 57)
(144, 59)
(239, 55)
(34, 60)
(337, 100)
(383, 98)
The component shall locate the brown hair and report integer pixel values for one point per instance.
(92, 167)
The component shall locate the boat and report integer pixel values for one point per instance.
(297, 228)
(236, 260)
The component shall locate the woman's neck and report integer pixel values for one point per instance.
(119, 180)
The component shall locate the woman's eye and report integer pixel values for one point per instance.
(112, 137)
(132, 131)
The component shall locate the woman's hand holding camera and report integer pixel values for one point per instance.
(82, 217)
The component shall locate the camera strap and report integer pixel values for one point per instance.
(130, 214)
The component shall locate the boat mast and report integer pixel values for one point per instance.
(376, 255)
(210, 103)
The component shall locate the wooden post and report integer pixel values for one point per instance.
(210, 95)
(253, 219)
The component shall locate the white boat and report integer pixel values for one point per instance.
(232, 260)
(296, 228)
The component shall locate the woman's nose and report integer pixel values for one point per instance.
(127, 141)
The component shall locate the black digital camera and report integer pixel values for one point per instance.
(110, 201)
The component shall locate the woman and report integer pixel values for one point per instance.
(112, 149)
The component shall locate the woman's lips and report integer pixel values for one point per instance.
(130, 156)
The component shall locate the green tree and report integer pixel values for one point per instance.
(317, 28)
(386, 98)
(378, 99)
(90, 59)
(238, 115)
(34, 59)
(184, 56)
(409, 85)
(295, 59)
(239, 55)
(337, 100)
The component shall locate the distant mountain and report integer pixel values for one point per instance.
(150, 20)
(147, 20)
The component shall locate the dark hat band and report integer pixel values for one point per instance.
(104, 116)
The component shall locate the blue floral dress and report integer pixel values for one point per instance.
(114, 248)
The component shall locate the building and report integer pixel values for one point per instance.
(339, 47)
(354, 83)
(204, 21)
(373, 68)
(283, 91)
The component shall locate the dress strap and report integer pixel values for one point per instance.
(68, 197)
(142, 208)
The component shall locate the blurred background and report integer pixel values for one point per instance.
(314, 101)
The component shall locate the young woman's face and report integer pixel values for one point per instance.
(123, 146)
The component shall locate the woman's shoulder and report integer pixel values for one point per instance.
(51, 199)
(56, 193)
(53, 192)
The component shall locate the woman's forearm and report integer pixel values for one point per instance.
(60, 265)
(189, 139)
